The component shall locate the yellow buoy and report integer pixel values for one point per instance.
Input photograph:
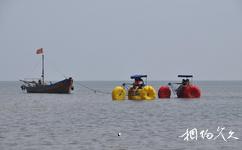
(118, 93)
(148, 93)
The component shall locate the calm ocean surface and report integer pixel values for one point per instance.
(84, 120)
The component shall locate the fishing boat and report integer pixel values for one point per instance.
(41, 86)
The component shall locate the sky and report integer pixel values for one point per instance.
(113, 39)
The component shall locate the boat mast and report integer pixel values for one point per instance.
(43, 69)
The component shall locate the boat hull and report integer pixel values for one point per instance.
(64, 86)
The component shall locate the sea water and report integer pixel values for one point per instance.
(87, 120)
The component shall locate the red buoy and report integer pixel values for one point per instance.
(188, 91)
(164, 92)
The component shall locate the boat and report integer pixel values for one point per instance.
(139, 90)
(184, 89)
(187, 89)
(64, 86)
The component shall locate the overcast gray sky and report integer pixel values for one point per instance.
(111, 39)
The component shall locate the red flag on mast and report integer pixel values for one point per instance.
(39, 51)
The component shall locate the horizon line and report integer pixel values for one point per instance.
(129, 80)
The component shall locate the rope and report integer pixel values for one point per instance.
(57, 69)
(35, 66)
(93, 90)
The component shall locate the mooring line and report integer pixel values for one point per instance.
(93, 90)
